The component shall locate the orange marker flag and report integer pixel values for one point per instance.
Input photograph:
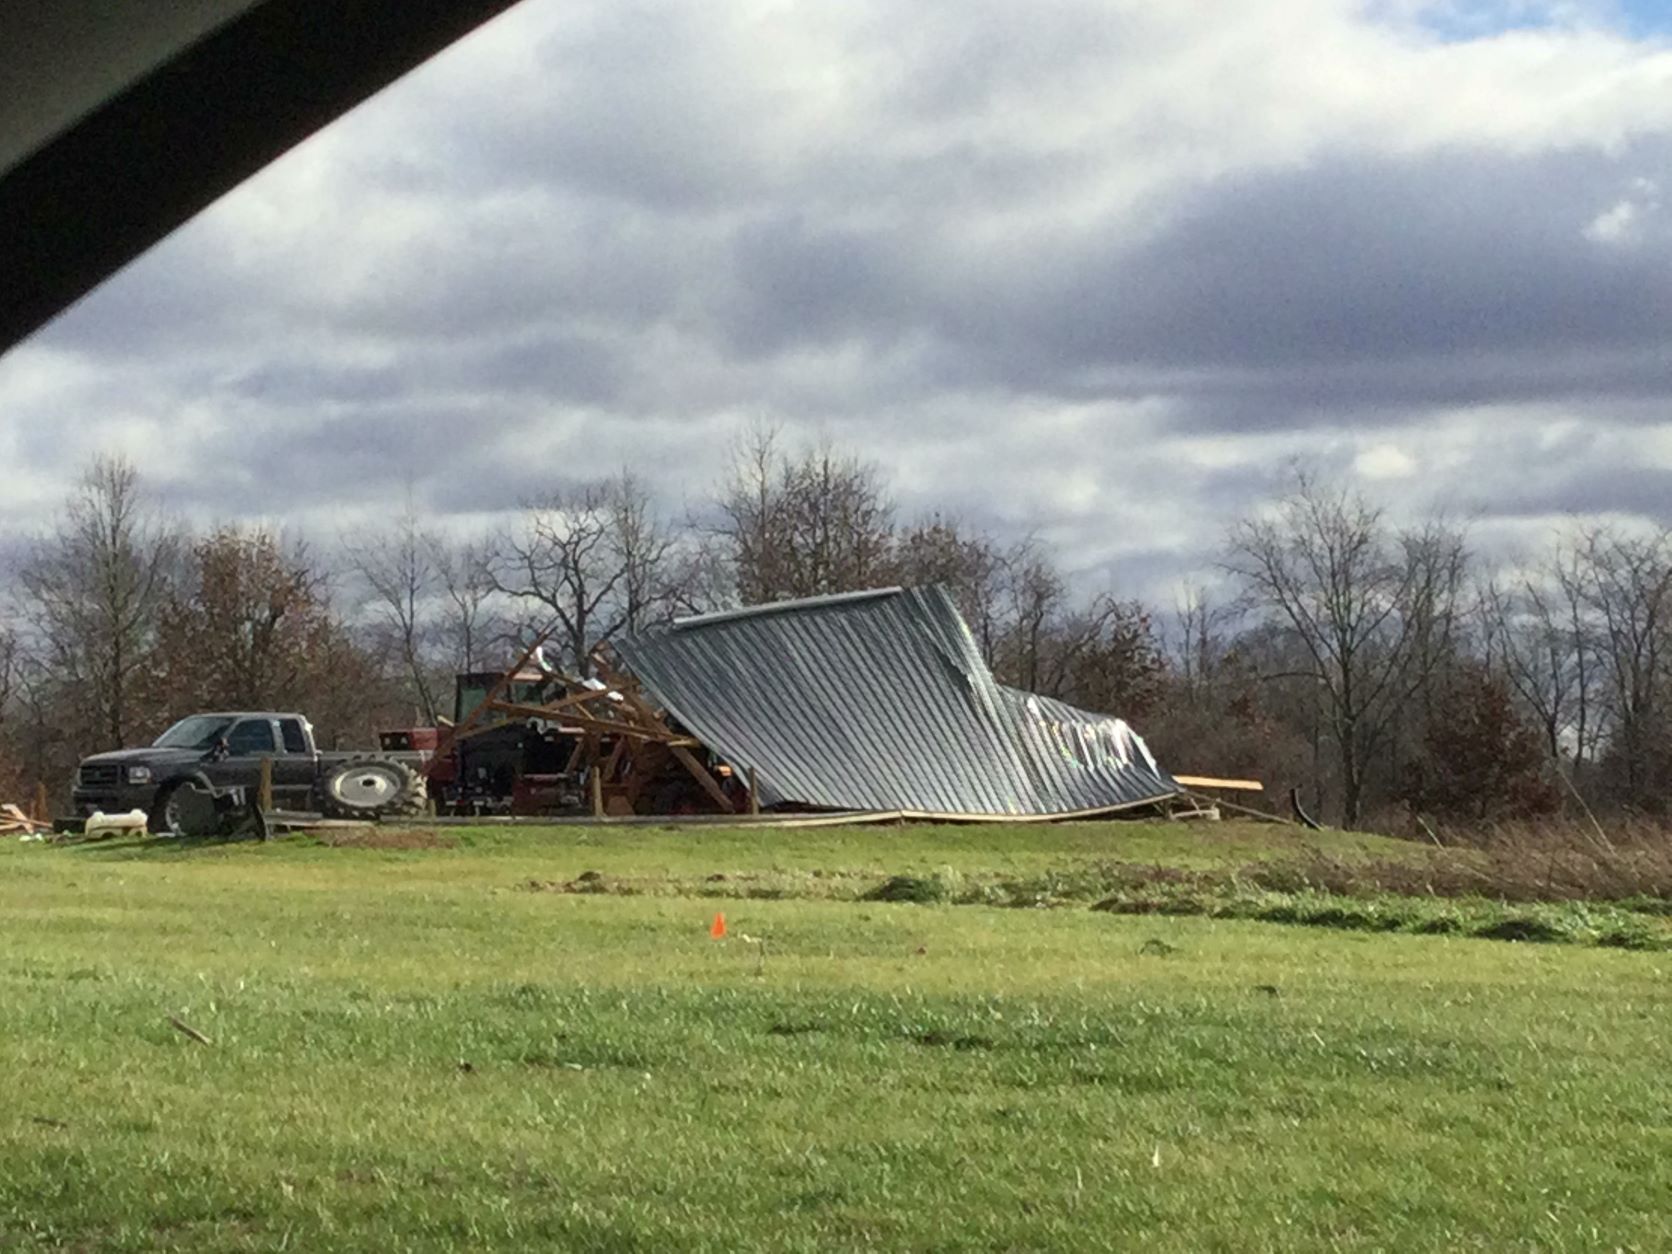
(718, 931)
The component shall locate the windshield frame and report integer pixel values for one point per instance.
(209, 728)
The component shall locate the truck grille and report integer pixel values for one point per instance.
(99, 775)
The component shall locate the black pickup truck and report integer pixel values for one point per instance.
(216, 752)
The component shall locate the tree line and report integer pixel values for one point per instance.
(1385, 669)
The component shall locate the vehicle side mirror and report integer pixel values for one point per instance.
(219, 750)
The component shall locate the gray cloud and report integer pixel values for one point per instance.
(1095, 271)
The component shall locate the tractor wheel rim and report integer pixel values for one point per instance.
(367, 786)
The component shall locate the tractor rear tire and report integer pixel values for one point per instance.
(370, 787)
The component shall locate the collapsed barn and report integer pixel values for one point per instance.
(873, 702)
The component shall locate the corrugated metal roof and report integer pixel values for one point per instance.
(881, 701)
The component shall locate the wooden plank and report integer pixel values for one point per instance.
(754, 791)
(1230, 785)
(264, 788)
(688, 760)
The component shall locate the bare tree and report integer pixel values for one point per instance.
(561, 560)
(644, 548)
(1539, 634)
(468, 625)
(401, 568)
(11, 670)
(599, 561)
(94, 590)
(1370, 608)
(701, 578)
(1034, 598)
(1628, 589)
(807, 525)
(967, 563)
(1107, 657)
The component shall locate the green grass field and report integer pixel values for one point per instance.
(483, 1045)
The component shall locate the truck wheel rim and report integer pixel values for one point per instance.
(171, 807)
(366, 787)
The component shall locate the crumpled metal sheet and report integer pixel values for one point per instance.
(881, 701)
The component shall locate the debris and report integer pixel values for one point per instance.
(1301, 816)
(189, 1030)
(1205, 814)
(1157, 947)
(1229, 785)
(1246, 811)
(100, 824)
(14, 822)
(830, 731)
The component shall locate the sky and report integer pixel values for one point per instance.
(1099, 271)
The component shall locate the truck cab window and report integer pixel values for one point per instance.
(250, 735)
(294, 740)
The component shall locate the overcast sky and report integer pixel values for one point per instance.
(1096, 270)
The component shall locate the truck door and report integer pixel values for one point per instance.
(295, 769)
(247, 741)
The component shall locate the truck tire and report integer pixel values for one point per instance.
(371, 787)
(166, 809)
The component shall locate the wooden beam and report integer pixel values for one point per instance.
(574, 699)
(614, 760)
(1230, 785)
(447, 737)
(588, 722)
(688, 760)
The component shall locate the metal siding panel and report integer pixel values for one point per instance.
(879, 702)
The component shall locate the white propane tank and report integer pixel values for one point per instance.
(101, 824)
